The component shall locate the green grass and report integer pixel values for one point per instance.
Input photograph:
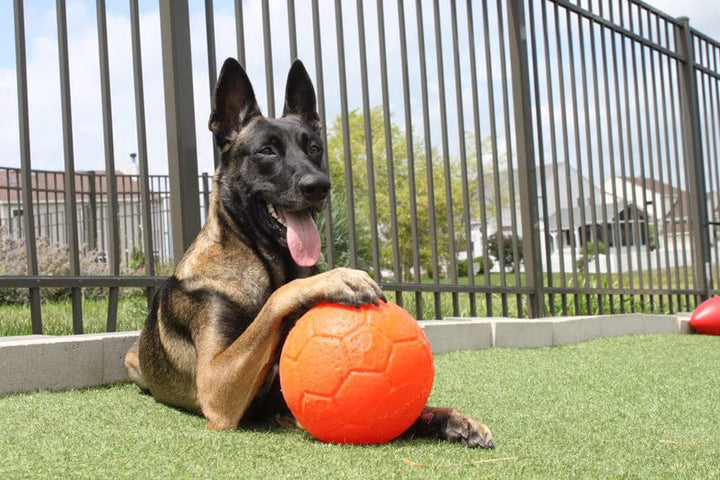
(57, 316)
(600, 409)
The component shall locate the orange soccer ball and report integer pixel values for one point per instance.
(354, 375)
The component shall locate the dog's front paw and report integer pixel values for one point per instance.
(465, 429)
(349, 287)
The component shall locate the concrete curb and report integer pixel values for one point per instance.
(44, 362)
(473, 333)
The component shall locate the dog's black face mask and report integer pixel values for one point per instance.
(272, 179)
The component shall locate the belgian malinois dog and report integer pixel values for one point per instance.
(212, 338)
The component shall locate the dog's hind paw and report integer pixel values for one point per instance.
(465, 429)
(451, 425)
(287, 422)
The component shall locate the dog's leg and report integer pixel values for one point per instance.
(228, 380)
(451, 425)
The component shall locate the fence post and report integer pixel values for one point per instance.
(180, 124)
(693, 155)
(522, 110)
(26, 165)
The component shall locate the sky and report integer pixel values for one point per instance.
(43, 77)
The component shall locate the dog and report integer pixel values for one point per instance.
(212, 338)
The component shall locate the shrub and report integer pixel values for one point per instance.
(593, 250)
(596, 248)
(483, 264)
(507, 253)
(53, 260)
(480, 264)
(462, 268)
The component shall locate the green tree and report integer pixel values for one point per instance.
(358, 163)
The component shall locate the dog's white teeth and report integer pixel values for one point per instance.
(274, 214)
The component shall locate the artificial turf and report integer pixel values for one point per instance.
(630, 407)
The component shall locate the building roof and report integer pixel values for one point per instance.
(48, 186)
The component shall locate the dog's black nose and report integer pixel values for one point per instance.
(314, 187)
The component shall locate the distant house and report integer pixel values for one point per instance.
(669, 207)
(633, 212)
(91, 208)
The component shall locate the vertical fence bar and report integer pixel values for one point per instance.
(267, 42)
(676, 116)
(389, 154)
(463, 160)
(650, 239)
(493, 142)
(559, 244)
(658, 210)
(693, 155)
(347, 153)
(622, 223)
(8, 191)
(635, 180)
(579, 159)
(607, 230)
(584, 197)
(446, 157)
(70, 210)
(478, 154)
(715, 172)
(180, 124)
(668, 219)
(206, 192)
(566, 164)
(240, 32)
(522, 109)
(541, 155)
(410, 158)
(509, 152)
(601, 172)
(706, 136)
(370, 161)
(212, 64)
(429, 171)
(145, 201)
(26, 164)
(92, 220)
(320, 86)
(111, 180)
(292, 31)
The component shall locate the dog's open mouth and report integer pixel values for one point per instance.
(303, 238)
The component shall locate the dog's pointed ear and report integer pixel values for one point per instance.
(233, 103)
(300, 96)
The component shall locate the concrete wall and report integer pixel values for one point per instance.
(42, 362)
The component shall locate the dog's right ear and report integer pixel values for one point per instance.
(233, 103)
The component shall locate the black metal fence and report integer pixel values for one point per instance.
(548, 157)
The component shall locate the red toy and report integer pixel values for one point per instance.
(706, 317)
(354, 375)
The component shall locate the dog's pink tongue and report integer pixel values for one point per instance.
(303, 237)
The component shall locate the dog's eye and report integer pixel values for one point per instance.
(267, 150)
(314, 150)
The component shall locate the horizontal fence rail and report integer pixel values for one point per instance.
(488, 158)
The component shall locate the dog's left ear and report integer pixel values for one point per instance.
(300, 96)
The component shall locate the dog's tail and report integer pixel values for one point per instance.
(132, 366)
